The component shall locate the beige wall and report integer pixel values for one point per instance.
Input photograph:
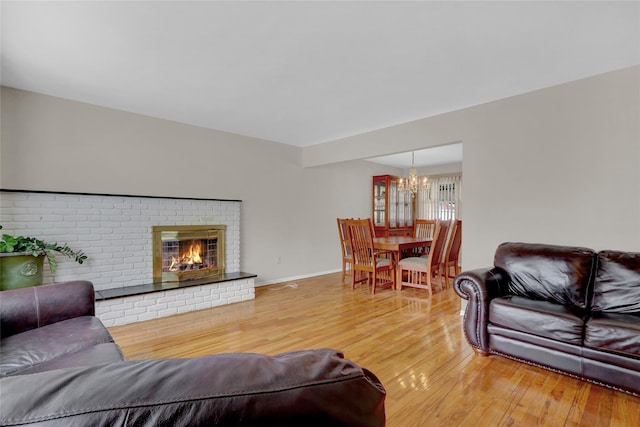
(559, 165)
(289, 212)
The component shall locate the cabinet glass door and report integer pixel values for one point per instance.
(379, 203)
(407, 207)
(393, 204)
(402, 208)
(409, 211)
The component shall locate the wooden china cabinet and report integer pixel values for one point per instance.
(392, 210)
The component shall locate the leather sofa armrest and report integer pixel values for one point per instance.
(301, 388)
(479, 287)
(29, 308)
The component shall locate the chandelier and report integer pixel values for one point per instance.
(413, 182)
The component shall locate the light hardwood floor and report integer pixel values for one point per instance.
(413, 343)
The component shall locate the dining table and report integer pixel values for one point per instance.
(396, 245)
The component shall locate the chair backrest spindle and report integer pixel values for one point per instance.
(360, 231)
(439, 243)
(424, 228)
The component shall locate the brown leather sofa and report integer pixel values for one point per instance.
(60, 367)
(567, 309)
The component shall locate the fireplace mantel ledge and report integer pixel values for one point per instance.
(107, 294)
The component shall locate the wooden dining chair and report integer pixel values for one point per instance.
(423, 229)
(451, 258)
(420, 271)
(345, 246)
(369, 265)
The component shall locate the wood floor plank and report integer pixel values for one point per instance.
(414, 343)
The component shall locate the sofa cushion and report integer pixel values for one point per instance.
(24, 350)
(617, 287)
(614, 332)
(301, 388)
(561, 274)
(541, 318)
(94, 355)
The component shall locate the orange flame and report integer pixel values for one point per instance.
(193, 256)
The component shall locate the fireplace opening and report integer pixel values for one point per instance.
(188, 252)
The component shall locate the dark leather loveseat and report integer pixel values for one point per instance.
(60, 367)
(567, 309)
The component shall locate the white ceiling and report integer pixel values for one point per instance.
(304, 73)
(445, 154)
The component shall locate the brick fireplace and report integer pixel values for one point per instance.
(115, 231)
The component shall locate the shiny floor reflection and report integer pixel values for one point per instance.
(412, 342)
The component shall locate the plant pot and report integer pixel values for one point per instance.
(20, 270)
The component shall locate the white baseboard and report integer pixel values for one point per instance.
(289, 279)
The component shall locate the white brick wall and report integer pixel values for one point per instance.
(114, 231)
(120, 311)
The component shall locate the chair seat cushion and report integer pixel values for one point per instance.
(542, 318)
(383, 262)
(413, 263)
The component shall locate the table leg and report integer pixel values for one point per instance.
(397, 255)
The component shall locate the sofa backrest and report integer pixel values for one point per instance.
(560, 274)
(617, 286)
(29, 308)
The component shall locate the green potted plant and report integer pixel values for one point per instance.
(22, 259)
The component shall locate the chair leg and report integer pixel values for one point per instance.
(375, 280)
(429, 285)
(445, 273)
(408, 279)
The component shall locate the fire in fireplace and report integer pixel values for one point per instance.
(187, 252)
